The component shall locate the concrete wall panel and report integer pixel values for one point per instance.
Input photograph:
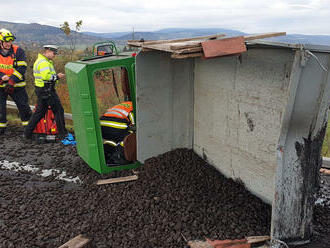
(238, 106)
(164, 104)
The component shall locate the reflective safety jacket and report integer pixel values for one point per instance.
(13, 64)
(123, 112)
(44, 71)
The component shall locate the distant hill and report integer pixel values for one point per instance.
(107, 35)
(304, 39)
(177, 33)
(42, 34)
(168, 33)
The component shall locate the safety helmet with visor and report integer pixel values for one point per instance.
(6, 35)
(52, 48)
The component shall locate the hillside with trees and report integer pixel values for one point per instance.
(34, 34)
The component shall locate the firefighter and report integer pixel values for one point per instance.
(12, 80)
(116, 124)
(45, 80)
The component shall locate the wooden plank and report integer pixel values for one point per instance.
(167, 47)
(246, 38)
(199, 244)
(190, 45)
(161, 47)
(175, 45)
(185, 45)
(248, 240)
(12, 105)
(138, 44)
(184, 56)
(262, 36)
(198, 42)
(77, 242)
(223, 47)
(147, 49)
(188, 50)
(117, 180)
(135, 43)
(257, 239)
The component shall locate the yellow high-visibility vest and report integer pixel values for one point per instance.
(43, 70)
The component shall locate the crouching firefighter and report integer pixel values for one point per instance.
(118, 132)
(12, 79)
(45, 80)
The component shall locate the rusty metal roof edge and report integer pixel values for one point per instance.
(311, 47)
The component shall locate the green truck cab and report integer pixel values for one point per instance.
(95, 83)
(105, 48)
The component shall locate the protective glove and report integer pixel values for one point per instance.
(69, 140)
(132, 128)
(69, 137)
(9, 88)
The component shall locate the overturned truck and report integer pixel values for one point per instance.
(259, 116)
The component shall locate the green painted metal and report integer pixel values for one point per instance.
(85, 114)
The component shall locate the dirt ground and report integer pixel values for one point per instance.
(177, 197)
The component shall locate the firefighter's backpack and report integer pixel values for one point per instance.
(47, 125)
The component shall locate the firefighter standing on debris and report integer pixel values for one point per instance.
(45, 80)
(12, 80)
(116, 124)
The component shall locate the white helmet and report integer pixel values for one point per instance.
(53, 48)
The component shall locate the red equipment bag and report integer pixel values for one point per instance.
(47, 125)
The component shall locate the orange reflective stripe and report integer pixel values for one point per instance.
(113, 113)
(121, 111)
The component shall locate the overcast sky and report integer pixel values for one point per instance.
(250, 16)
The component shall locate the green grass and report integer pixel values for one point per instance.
(326, 143)
(14, 119)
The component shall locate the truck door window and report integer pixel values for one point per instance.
(111, 87)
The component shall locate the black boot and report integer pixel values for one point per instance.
(2, 130)
(118, 157)
(27, 136)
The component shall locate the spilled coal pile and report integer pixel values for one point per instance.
(49, 195)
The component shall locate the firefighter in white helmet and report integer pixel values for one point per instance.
(45, 80)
